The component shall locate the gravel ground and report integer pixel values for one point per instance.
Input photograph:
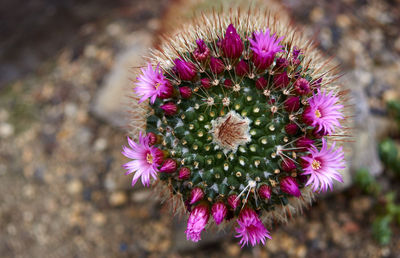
(63, 193)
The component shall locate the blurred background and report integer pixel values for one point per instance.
(64, 73)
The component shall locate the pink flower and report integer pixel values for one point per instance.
(290, 186)
(168, 166)
(197, 221)
(323, 112)
(146, 160)
(265, 192)
(196, 195)
(251, 228)
(219, 211)
(151, 84)
(202, 52)
(264, 48)
(232, 45)
(323, 166)
(186, 70)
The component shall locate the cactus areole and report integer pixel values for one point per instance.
(241, 126)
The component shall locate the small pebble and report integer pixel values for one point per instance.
(74, 187)
(118, 199)
(6, 130)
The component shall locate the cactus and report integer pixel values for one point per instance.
(245, 113)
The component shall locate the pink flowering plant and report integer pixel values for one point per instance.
(242, 125)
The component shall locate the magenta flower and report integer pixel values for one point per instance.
(264, 48)
(219, 211)
(323, 165)
(232, 46)
(186, 70)
(197, 221)
(323, 112)
(151, 84)
(251, 228)
(146, 160)
(202, 52)
(196, 195)
(290, 186)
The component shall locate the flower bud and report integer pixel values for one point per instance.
(184, 173)
(228, 83)
(281, 80)
(186, 70)
(205, 82)
(288, 165)
(202, 52)
(304, 142)
(265, 192)
(169, 91)
(292, 104)
(168, 166)
(302, 86)
(185, 91)
(242, 68)
(232, 45)
(216, 65)
(261, 83)
(152, 138)
(233, 201)
(281, 63)
(196, 195)
(169, 108)
(291, 128)
(219, 211)
(197, 221)
(290, 186)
